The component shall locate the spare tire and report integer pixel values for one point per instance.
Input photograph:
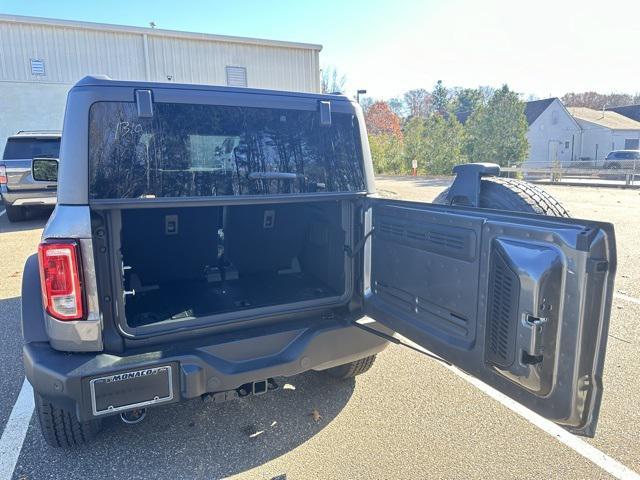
(514, 195)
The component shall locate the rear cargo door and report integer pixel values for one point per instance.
(519, 301)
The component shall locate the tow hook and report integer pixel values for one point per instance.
(131, 417)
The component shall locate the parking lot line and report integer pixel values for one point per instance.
(584, 449)
(15, 431)
(3, 212)
(627, 298)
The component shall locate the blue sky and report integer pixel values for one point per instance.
(542, 47)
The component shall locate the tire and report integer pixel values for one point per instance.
(61, 429)
(353, 369)
(515, 196)
(16, 214)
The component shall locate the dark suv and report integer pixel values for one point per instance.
(208, 240)
(18, 187)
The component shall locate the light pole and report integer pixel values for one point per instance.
(358, 93)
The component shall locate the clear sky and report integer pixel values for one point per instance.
(540, 47)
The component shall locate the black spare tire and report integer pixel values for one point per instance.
(514, 195)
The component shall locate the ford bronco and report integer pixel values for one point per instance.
(207, 240)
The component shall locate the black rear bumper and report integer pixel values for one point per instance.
(65, 378)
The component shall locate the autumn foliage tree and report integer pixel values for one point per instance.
(381, 120)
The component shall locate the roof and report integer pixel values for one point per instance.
(605, 118)
(534, 109)
(157, 32)
(629, 111)
(106, 81)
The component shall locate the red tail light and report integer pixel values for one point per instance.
(3, 174)
(60, 279)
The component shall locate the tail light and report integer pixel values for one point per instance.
(3, 175)
(60, 279)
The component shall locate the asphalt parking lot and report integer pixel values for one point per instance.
(408, 417)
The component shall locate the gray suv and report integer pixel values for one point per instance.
(19, 189)
(208, 240)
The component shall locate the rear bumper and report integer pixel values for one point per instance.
(64, 378)
(28, 198)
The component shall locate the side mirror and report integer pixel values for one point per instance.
(45, 169)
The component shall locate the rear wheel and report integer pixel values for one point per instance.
(516, 196)
(60, 428)
(16, 214)
(352, 369)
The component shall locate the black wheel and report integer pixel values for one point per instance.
(61, 429)
(16, 214)
(515, 195)
(350, 370)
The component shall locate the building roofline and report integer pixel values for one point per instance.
(155, 32)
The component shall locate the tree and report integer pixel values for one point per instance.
(417, 103)
(331, 81)
(366, 103)
(414, 141)
(397, 106)
(465, 101)
(598, 100)
(386, 154)
(381, 120)
(497, 132)
(444, 145)
(440, 98)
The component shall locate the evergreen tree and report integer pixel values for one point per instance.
(497, 132)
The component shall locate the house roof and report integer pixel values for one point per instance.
(606, 118)
(629, 111)
(534, 109)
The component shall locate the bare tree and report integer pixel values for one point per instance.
(331, 81)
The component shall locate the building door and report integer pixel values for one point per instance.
(553, 152)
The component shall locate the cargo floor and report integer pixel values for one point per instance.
(199, 298)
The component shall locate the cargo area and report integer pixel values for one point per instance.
(193, 262)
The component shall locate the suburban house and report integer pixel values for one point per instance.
(554, 135)
(603, 131)
(629, 111)
(580, 136)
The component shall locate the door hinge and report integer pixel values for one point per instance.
(397, 341)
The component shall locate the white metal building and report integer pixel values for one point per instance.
(40, 59)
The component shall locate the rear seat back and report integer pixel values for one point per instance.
(170, 244)
(264, 238)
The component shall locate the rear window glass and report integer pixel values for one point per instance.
(22, 148)
(204, 150)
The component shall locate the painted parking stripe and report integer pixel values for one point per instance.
(3, 212)
(586, 450)
(627, 298)
(15, 431)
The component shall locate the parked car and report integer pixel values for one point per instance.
(19, 190)
(157, 283)
(623, 159)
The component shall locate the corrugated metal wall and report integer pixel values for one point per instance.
(70, 53)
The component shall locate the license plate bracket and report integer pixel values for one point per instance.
(127, 390)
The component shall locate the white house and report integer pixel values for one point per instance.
(40, 59)
(603, 131)
(553, 135)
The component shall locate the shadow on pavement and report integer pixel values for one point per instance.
(197, 439)
(36, 218)
(11, 372)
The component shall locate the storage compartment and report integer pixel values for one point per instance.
(193, 262)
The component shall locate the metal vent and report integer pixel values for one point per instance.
(236, 76)
(502, 314)
(37, 67)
